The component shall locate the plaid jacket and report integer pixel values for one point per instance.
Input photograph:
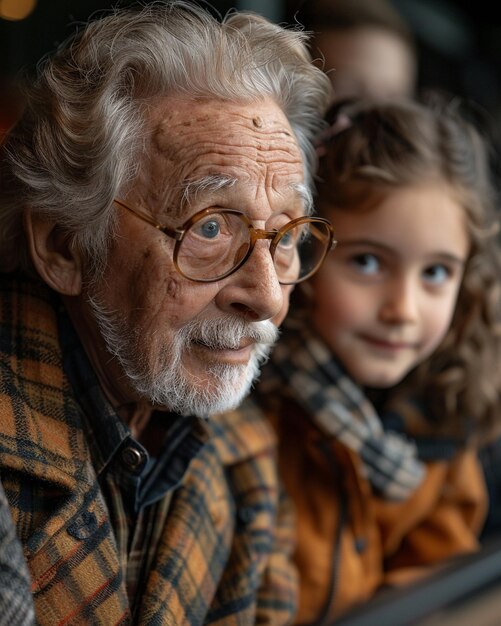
(16, 603)
(224, 554)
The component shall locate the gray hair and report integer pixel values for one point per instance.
(80, 137)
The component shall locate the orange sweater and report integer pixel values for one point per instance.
(351, 542)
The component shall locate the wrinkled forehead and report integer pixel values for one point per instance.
(192, 140)
(171, 116)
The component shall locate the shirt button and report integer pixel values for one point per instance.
(246, 514)
(132, 458)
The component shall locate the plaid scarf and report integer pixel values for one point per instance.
(340, 409)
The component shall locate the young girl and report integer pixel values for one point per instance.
(386, 377)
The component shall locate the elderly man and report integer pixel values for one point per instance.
(153, 220)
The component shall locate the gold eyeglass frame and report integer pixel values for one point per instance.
(255, 234)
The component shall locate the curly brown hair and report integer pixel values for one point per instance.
(372, 147)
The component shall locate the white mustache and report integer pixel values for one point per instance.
(227, 333)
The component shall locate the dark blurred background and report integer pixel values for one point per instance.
(459, 41)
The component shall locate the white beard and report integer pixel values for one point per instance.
(167, 383)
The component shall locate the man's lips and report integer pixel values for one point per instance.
(231, 355)
(245, 343)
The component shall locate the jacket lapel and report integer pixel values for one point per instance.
(194, 549)
(46, 470)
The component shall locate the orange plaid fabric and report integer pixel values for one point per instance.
(223, 555)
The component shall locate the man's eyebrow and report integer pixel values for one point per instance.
(210, 183)
(216, 182)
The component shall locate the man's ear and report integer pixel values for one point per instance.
(58, 264)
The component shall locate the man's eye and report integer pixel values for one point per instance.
(210, 229)
(366, 263)
(436, 274)
(289, 239)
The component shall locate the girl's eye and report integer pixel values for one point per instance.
(436, 274)
(367, 264)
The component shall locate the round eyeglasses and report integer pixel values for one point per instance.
(215, 242)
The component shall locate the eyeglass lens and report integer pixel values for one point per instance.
(214, 245)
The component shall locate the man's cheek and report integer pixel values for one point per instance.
(286, 293)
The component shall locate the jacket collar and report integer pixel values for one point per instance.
(34, 384)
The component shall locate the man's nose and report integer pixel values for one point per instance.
(400, 304)
(254, 290)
